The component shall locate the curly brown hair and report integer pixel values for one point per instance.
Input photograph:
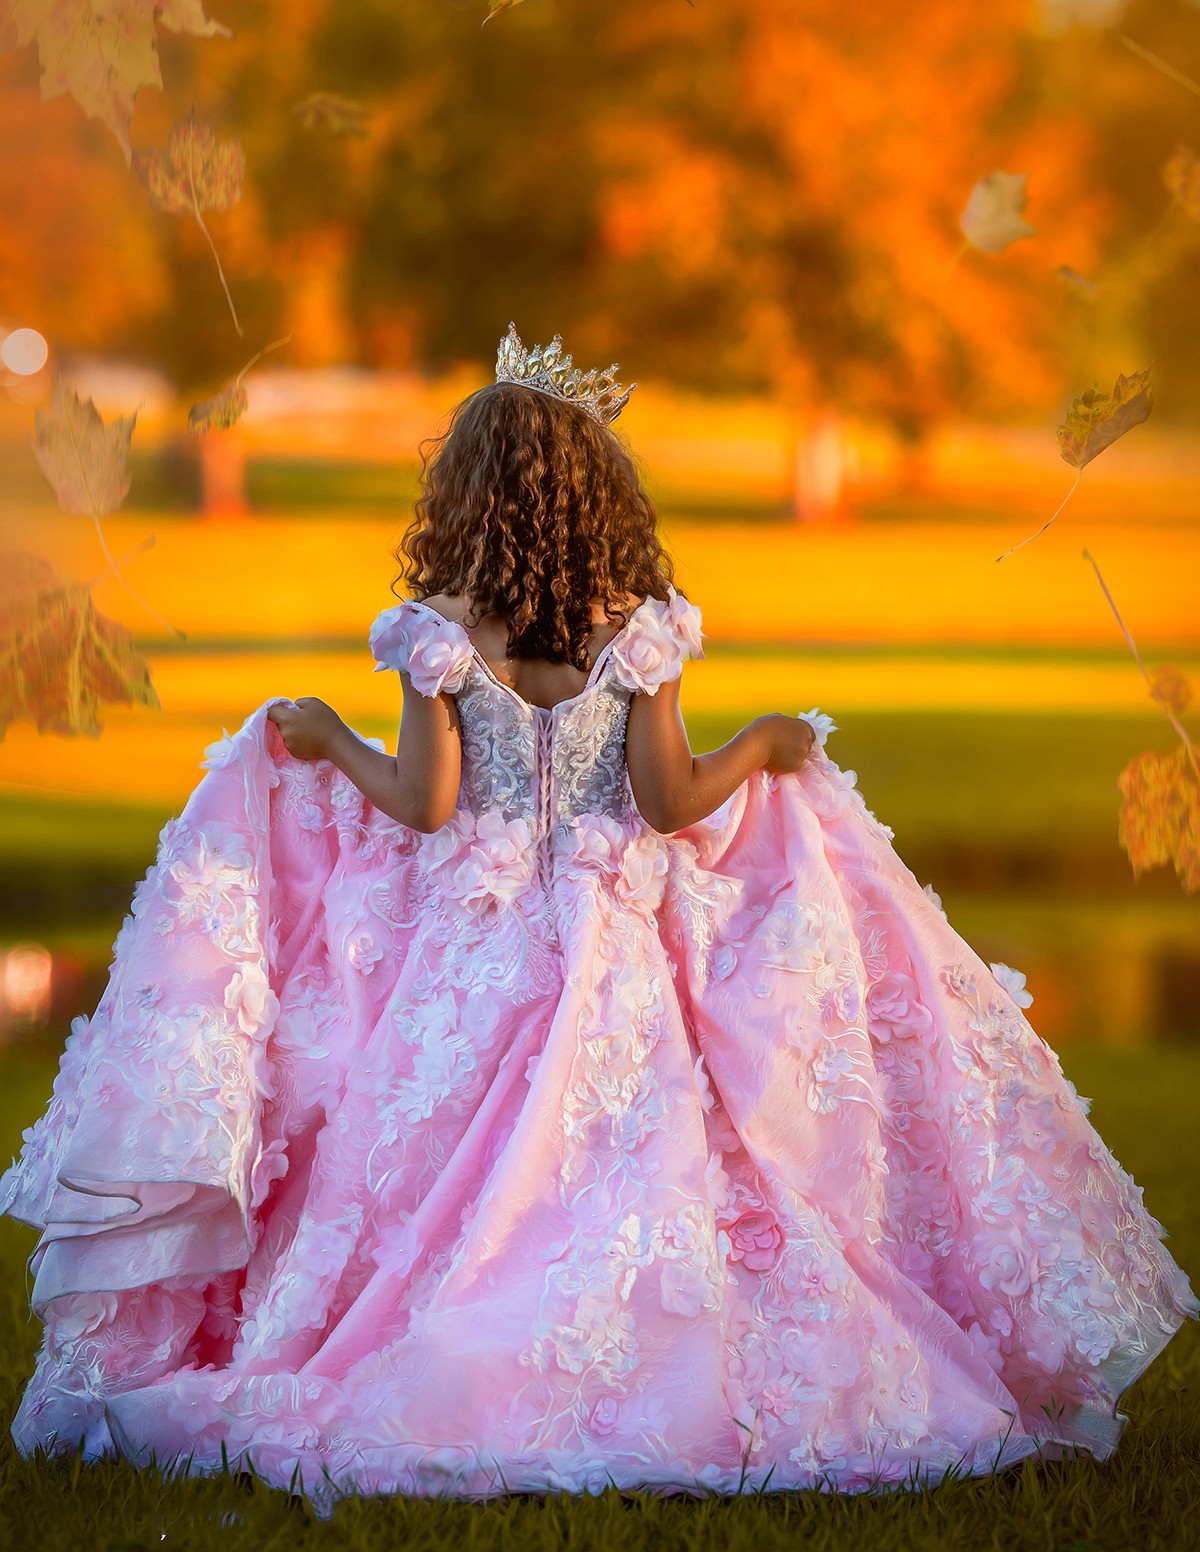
(534, 512)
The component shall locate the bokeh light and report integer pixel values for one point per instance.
(24, 352)
(26, 974)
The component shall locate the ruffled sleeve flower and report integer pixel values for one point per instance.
(435, 653)
(650, 651)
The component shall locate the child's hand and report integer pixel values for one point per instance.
(791, 742)
(307, 727)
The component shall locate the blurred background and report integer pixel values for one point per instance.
(845, 412)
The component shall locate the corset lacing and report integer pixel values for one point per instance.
(544, 816)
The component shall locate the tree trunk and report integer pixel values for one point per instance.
(820, 468)
(223, 473)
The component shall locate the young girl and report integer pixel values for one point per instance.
(547, 1107)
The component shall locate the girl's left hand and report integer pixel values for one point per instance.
(307, 727)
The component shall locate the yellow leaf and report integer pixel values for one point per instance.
(1171, 688)
(496, 6)
(1096, 420)
(220, 412)
(60, 660)
(194, 171)
(337, 115)
(100, 54)
(992, 218)
(1181, 174)
(1160, 816)
(85, 460)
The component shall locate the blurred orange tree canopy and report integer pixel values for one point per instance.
(737, 195)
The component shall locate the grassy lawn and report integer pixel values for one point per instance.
(1147, 1498)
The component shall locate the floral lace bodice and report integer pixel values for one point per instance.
(527, 766)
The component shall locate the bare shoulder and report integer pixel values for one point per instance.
(448, 606)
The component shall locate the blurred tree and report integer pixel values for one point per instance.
(760, 193)
(744, 196)
(78, 256)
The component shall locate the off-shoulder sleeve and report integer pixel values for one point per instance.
(435, 653)
(652, 648)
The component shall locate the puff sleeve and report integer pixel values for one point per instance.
(652, 648)
(435, 653)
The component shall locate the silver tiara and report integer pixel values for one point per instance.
(548, 370)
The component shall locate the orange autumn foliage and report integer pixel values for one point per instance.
(760, 194)
(810, 172)
(79, 259)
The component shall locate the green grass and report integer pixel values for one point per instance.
(1147, 1498)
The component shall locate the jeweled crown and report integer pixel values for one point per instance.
(549, 370)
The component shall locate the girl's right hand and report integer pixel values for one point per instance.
(307, 726)
(790, 741)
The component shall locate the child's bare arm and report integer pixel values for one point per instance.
(417, 786)
(674, 788)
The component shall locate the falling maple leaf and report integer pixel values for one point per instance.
(1181, 174)
(60, 660)
(226, 408)
(337, 115)
(992, 218)
(101, 55)
(1095, 421)
(87, 463)
(1160, 815)
(220, 412)
(192, 173)
(85, 460)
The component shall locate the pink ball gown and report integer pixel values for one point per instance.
(548, 1152)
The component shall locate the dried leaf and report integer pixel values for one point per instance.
(992, 218)
(1160, 816)
(60, 660)
(1077, 282)
(87, 463)
(226, 408)
(1171, 688)
(496, 6)
(100, 54)
(194, 171)
(85, 460)
(220, 412)
(334, 114)
(1181, 174)
(1096, 420)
